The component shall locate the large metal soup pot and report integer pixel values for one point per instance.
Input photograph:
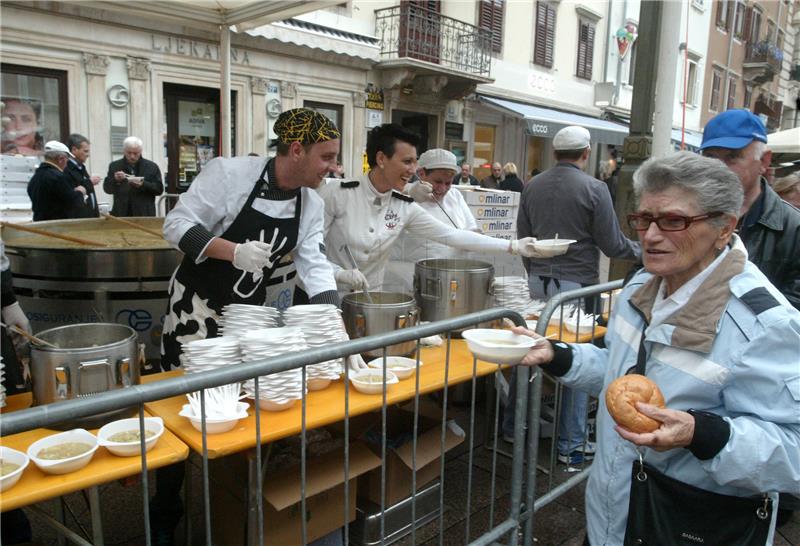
(388, 311)
(448, 288)
(88, 359)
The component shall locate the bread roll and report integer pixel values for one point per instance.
(622, 395)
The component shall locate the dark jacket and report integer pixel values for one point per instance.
(472, 180)
(512, 183)
(773, 243)
(131, 201)
(52, 195)
(78, 176)
(491, 182)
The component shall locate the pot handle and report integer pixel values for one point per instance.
(62, 379)
(360, 325)
(124, 372)
(453, 290)
(401, 321)
(88, 368)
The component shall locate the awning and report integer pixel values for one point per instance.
(693, 139)
(545, 122)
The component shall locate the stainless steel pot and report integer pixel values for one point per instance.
(89, 359)
(388, 311)
(451, 288)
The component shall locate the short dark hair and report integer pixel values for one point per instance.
(75, 141)
(569, 155)
(383, 138)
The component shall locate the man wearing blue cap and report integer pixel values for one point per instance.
(769, 226)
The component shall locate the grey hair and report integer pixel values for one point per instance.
(54, 155)
(714, 186)
(132, 142)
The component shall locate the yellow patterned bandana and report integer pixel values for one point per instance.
(304, 126)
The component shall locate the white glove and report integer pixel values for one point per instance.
(13, 315)
(353, 278)
(355, 363)
(421, 192)
(252, 256)
(525, 247)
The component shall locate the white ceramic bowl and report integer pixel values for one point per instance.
(63, 466)
(552, 247)
(400, 366)
(587, 324)
(498, 346)
(370, 381)
(9, 455)
(130, 449)
(215, 425)
(276, 405)
(317, 383)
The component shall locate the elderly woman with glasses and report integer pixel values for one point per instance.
(718, 339)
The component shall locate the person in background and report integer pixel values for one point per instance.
(465, 178)
(134, 182)
(788, 188)
(534, 173)
(511, 181)
(564, 200)
(769, 227)
(492, 181)
(52, 195)
(20, 121)
(368, 215)
(435, 167)
(80, 147)
(719, 340)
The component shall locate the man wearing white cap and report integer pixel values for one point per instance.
(436, 169)
(51, 192)
(564, 200)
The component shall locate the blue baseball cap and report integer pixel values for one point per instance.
(733, 129)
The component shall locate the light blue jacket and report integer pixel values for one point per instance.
(733, 350)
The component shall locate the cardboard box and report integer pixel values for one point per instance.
(399, 459)
(497, 226)
(482, 196)
(282, 498)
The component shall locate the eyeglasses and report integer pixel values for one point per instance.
(668, 222)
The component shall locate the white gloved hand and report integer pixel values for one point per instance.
(421, 192)
(252, 256)
(353, 278)
(13, 315)
(525, 248)
(355, 363)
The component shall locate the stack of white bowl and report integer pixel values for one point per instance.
(209, 354)
(2, 387)
(321, 325)
(239, 318)
(511, 293)
(278, 390)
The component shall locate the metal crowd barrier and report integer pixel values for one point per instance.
(500, 526)
(556, 308)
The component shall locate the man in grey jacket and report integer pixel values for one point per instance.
(564, 200)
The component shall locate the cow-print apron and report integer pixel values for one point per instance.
(199, 291)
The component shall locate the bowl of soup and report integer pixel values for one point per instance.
(122, 437)
(400, 366)
(549, 248)
(370, 381)
(12, 465)
(498, 346)
(63, 452)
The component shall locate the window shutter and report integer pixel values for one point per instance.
(748, 21)
(490, 18)
(589, 50)
(585, 50)
(545, 37)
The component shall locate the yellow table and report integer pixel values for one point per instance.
(36, 486)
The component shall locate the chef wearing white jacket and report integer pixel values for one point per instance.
(369, 214)
(436, 167)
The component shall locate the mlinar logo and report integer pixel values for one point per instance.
(693, 538)
(494, 212)
(498, 226)
(494, 199)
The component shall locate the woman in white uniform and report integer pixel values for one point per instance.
(368, 215)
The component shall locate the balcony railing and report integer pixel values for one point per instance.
(764, 52)
(418, 33)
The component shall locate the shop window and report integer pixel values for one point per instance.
(490, 17)
(333, 112)
(545, 34)
(716, 87)
(731, 92)
(483, 151)
(585, 50)
(34, 108)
